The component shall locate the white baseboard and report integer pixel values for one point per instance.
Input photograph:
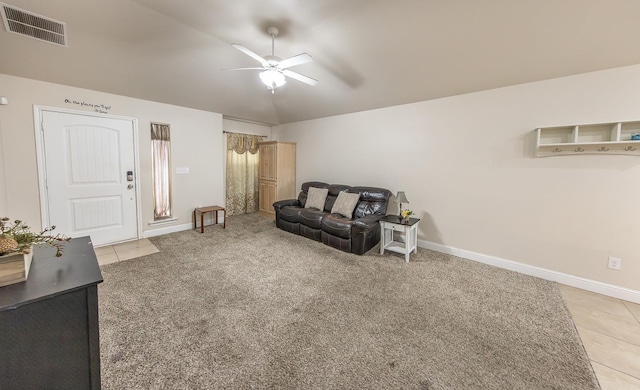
(167, 230)
(543, 273)
(208, 220)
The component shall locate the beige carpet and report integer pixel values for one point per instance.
(252, 306)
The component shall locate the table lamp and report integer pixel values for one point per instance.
(401, 198)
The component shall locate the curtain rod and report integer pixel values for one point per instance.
(233, 132)
(236, 119)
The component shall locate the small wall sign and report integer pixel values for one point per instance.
(101, 108)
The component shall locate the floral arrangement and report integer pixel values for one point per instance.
(16, 237)
(406, 213)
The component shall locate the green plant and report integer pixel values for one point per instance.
(16, 237)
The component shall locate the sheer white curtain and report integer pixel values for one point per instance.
(161, 163)
(242, 173)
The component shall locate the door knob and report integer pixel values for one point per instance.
(130, 186)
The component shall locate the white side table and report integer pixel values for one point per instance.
(392, 223)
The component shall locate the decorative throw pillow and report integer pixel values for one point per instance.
(316, 198)
(345, 204)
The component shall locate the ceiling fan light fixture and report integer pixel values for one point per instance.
(272, 79)
(274, 69)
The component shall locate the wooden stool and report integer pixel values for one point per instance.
(208, 209)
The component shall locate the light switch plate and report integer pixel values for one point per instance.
(182, 170)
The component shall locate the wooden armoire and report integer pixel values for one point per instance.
(277, 174)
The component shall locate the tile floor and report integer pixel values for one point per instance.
(125, 251)
(610, 332)
(609, 327)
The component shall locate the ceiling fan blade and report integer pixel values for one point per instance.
(244, 69)
(300, 77)
(295, 60)
(249, 53)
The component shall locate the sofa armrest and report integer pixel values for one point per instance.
(365, 233)
(277, 207)
(287, 202)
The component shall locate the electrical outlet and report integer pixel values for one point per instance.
(615, 263)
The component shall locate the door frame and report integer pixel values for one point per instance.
(38, 112)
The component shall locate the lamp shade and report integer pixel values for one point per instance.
(272, 78)
(401, 197)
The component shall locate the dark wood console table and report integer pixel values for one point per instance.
(49, 336)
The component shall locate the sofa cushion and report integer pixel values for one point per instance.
(312, 218)
(302, 197)
(345, 203)
(334, 191)
(337, 225)
(316, 198)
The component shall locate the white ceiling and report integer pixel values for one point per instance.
(368, 53)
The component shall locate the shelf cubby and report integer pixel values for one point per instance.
(599, 138)
(628, 129)
(557, 135)
(597, 133)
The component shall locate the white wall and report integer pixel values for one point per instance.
(466, 164)
(246, 127)
(196, 143)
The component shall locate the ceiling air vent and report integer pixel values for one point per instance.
(36, 26)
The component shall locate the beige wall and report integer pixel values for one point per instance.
(466, 164)
(196, 143)
(245, 127)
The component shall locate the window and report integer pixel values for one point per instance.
(161, 168)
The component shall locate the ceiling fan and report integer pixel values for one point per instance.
(274, 69)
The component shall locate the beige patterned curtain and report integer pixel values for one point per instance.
(242, 173)
(161, 167)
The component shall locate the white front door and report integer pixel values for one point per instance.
(87, 160)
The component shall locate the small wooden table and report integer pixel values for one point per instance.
(208, 209)
(391, 223)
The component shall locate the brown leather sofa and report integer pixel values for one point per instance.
(356, 234)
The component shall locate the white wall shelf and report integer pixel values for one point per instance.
(601, 138)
